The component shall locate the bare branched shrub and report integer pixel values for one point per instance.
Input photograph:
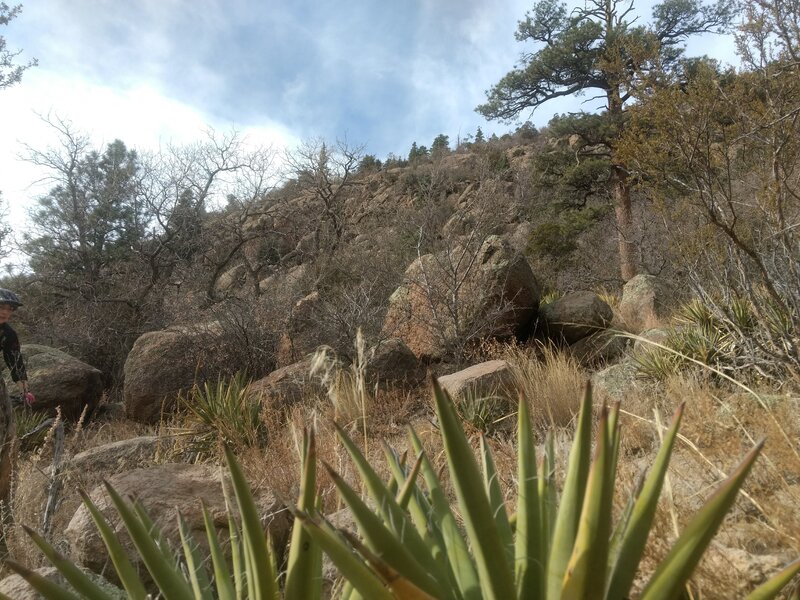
(450, 293)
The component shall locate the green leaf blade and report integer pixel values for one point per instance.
(495, 573)
(679, 564)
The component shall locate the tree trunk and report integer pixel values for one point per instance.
(622, 207)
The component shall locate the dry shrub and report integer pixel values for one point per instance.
(346, 387)
(722, 424)
(384, 416)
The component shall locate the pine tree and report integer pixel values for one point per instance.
(600, 47)
(440, 145)
(10, 71)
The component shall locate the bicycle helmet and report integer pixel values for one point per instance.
(9, 297)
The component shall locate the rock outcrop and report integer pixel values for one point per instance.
(115, 457)
(164, 491)
(304, 331)
(574, 316)
(646, 302)
(599, 348)
(616, 382)
(286, 386)
(163, 364)
(16, 587)
(485, 292)
(487, 379)
(391, 362)
(58, 379)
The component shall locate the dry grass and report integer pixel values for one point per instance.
(550, 380)
(721, 422)
(608, 296)
(719, 426)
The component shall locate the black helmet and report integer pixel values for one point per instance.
(9, 297)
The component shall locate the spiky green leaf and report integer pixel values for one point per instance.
(496, 575)
(77, 578)
(572, 498)
(119, 557)
(673, 572)
(529, 560)
(773, 586)
(262, 579)
(634, 538)
(304, 567)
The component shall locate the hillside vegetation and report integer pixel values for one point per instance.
(233, 297)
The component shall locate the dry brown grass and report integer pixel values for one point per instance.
(721, 422)
(550, 380)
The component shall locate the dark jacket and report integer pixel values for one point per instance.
(9, 343)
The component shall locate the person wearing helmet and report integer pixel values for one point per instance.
(9, 342)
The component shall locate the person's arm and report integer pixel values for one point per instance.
(12, 354)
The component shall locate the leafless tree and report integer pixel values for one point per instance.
(454, 311)
(325, 172)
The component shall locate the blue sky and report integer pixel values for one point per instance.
(382, 74)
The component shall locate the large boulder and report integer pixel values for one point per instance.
(287, 386)
(391, 362)
(483, 394)
(487, 379)
(165, 491)
(519, 236)
(232, 279)
(460, 293)
(599, 348)
(58, 379)
(163, 364)
(647, 340)
(646, 302)
(617, 382)
(575, 316)
(287, 282)
(304, 330)
(115, 457)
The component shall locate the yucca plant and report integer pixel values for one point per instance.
(549, 296)
(30, 426)
(701, 337)
(483, 413)
(657, 363)
(252, 572)
(411, 545)
(219, 414)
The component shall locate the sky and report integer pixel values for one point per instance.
(381, 74)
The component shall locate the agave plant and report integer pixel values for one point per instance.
(219, 414)
(411, 545)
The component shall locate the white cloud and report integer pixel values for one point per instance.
(141, 116)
